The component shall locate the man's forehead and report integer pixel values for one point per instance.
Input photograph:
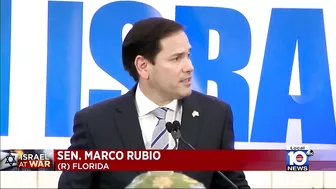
(175, 43)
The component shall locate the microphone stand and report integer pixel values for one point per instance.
(174, 129)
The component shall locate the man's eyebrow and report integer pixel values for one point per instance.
(180, 53)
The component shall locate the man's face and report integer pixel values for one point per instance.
(172, 71)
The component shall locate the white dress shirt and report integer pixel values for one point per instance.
(148, 121)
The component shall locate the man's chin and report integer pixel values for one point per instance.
(185, 93)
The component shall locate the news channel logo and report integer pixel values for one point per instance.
(298, 158)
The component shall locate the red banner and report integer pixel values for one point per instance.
(179, 160)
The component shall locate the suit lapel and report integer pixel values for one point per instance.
(190, 125)
(129, 127)
(128, 123)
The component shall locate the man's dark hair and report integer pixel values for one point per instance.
(144, 39)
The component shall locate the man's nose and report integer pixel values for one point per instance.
(188, 67)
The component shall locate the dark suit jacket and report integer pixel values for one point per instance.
(113, 124)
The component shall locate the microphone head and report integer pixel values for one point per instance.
(169, 127)
(176, 125)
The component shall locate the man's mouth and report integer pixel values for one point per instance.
(187, 80)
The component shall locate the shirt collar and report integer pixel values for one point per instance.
(145, 105)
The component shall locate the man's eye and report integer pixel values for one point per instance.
(177, 58)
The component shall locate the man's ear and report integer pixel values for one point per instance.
(141, 65)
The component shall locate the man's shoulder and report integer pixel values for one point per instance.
(103, 106)
(209, 101)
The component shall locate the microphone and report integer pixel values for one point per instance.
(176, 126)
(174, 129)
(176, 135)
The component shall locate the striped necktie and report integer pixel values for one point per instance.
(160, 137)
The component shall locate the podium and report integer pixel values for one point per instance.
(164, 179)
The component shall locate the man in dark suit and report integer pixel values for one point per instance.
(156, 53)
